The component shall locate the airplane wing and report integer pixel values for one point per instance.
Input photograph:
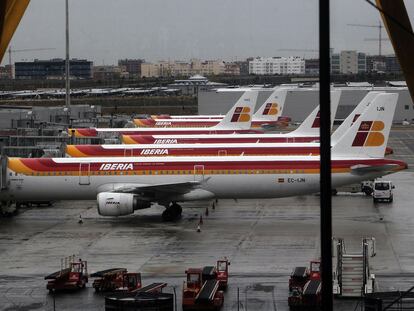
(167, 188)
(189, 190)
(158, 192)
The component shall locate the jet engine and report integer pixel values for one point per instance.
(119, 204)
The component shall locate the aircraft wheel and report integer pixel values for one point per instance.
(177, 209)
(172, 212)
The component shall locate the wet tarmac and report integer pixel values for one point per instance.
(263, 239)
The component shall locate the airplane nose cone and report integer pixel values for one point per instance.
(130, 139)
(144, 122)
(74, 151)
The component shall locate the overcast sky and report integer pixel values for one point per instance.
(105, 31)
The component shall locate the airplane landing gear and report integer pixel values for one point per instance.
(172, 212)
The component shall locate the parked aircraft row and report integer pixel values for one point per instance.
(268, 115)
(123, 184)
(210, 145)
(308, 131)
(237, 120)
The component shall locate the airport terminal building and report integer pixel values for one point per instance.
(53, 69)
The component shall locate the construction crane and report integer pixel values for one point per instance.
(10, 51)
(380, 38)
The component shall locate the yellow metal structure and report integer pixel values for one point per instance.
(13, 13)
(402, 41)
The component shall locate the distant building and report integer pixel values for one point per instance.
(183, 69)
(109, 73)
(53, 69)
(231, 69)
(132, 66)
(335, 64)
(392, 64)
(5, 72)
(383, 63)
(376, 63)
(312, 66)
(350, 62)
(277, 66)
(149, 70)
(207, 67)
(244, 66)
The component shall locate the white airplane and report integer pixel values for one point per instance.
(237, 120)
(308, 131)
(268, 115)
(239, 146)
(122, 185)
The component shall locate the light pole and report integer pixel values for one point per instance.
(325, 155)
(67, 61)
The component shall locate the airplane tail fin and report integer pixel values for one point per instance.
(272, 108)
(310, 126)
(353, 116)
(368, 136)
(240, 115)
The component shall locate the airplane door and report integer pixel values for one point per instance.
(222, 152)
(128, 152)
(198, 172)
(84, 173)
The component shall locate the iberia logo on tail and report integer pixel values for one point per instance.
(241, 114)
(271, 109)
(317, 122)
(369, 134)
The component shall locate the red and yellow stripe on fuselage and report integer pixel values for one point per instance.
(78, 151)
(214, 139)
(172, 123)
(104, 132)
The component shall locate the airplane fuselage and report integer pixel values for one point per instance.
(201, 123)
(222, 177)
(217, 139)
(230, 149)
(108, 132)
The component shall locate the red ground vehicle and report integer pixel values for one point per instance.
(73, 277)
(116, 279)
(201, 290)
(305, 287)
(223, 272)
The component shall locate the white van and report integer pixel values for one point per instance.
(383, 191)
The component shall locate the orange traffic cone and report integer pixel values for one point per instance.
(198, 228)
